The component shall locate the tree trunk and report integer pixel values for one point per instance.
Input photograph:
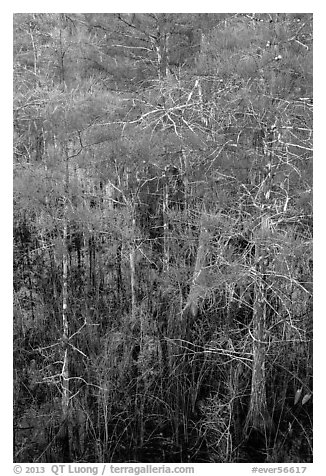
(198, 286)
(162, 47)
(65, 440)
(257, 417)
(133, 268)
(92, 257)
(166, 257)
(119, 274)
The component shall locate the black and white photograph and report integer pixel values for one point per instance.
(163, 239)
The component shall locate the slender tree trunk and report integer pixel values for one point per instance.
(92, 258)
(198, 287)
(65, 327)
(166, 257)
(162, 47)
(258, 417)
(119, 274)
(133, 268)
(166, 54)
(35, 53)
(65, 337)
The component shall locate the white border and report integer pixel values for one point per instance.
(319, 202)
